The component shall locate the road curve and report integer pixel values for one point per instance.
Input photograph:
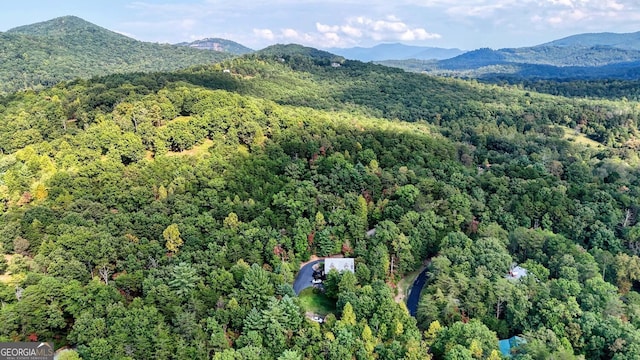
(304, 277)
(414, 293)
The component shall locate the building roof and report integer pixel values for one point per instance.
(516, 273)
(507, 344)
(339, 264)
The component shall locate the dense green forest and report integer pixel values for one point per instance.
(605, 88)
(165, 215)
(43, 54)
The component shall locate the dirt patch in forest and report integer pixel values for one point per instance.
(6, 278)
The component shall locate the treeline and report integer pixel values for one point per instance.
(604, 89)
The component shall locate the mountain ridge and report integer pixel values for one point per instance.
(285, 51)
(395, 51)
(45, 53)
(60, 26)
(627, 41)
(581, 56)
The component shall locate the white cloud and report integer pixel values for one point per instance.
(614, 5)
(422, 34)
(569, 3)
(392, 28)
(290, 33)
(351, 31)
(264, 34)
(124, 33)
(340, 23)
(326, 28)
(332, 38)
(543, 16)
(555, 20)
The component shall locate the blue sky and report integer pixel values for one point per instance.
(465, 24)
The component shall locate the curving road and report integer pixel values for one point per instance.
(304, 277)
(414, 293)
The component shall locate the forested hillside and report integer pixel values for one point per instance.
(577, 56)
(217, 44)
(165, 215)
(629, 41)
(43, 54)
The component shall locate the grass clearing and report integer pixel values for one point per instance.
(194, 151)
(314, 301)
(579, 138)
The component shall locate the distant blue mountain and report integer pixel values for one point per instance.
(580, 56)
(395, 51)
(584, 56)
(569, 55)
(628, 41)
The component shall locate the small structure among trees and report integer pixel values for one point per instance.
(339, 264)
(516, 273)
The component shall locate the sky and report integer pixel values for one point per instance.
(464, 24)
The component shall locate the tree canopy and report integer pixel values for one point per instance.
(165, 215)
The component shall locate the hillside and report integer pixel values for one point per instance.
(298, 54)
(396, 51)
(629, 41)
(165, 215)
(593, 56)
(65, 27)
(217, 44)
(43, 54)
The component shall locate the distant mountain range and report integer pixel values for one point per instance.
(66, 48)
(43, 54)
(570, 55)
(628, 41)
(217, 44)
(603, 55)
(395, 52)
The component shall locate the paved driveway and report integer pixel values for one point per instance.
(305, 275)
(414, 294)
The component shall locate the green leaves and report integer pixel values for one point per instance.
(184, 279)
